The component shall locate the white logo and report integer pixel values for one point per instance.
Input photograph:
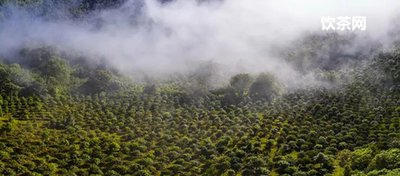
(327, 23)
(360, 22)
(344, 23)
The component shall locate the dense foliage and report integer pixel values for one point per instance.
(57, 118)
(63, 115)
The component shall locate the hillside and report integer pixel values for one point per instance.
(166, 131)
(65, 113)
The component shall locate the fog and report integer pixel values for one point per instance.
(163, 39)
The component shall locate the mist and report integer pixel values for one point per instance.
(162, 39)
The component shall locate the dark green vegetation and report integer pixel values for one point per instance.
(62, 117)
(66, 115)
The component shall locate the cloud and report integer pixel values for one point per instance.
(164, 38)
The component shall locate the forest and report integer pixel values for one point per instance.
(63, 115)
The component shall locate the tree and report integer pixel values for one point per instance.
(237, 90)
(100, 80)
(389, 159)
(56, 68)
(142, 173)
(150, 89)
(265, 87)
(361, 158)
(241, 83)
(255, 166)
